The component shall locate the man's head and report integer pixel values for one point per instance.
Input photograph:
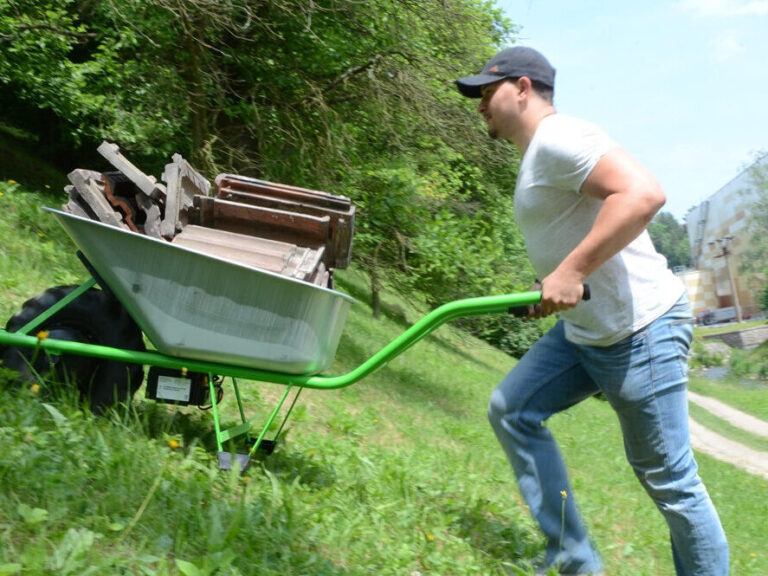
(512, 63)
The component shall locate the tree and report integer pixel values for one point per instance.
(356, 98)
(670, 239)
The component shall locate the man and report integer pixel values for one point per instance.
(583, 205)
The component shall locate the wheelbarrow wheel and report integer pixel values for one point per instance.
(95, 317)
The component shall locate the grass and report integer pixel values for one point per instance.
(750, 396)
(728, 430)
(397, 475)
(36, 252)
(702, 331)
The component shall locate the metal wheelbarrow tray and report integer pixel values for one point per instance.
(196, 305)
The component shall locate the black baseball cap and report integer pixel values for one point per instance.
(509, 63)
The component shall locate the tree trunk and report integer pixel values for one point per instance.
(194, 29)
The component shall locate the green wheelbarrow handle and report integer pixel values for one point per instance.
(437, 317)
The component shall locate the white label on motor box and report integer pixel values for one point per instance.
(171, 388)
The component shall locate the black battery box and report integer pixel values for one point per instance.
(177, 387)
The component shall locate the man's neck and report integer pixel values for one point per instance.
(531, 124)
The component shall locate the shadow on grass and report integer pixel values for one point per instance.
(196, 428)
(495, 536)
(288, 465)
(157, 420)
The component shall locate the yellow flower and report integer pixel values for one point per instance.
(430, 537)
(173, 444)
(12, 182)
(1, 193)
(34, 389)
(752, 555)
(42, 335)
(47, 186)
(564, 494)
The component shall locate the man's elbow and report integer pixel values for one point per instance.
(653, 199)
(657, 198)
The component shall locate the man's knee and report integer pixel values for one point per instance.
(672, 486)
(506, 411)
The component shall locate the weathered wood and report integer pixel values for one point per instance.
(152, 215)
(300, 200)
(183, 183)
(118, 202)
(173, 201)
(91, 191)
(301, 229)
(194, 183)
(74, 206)
(255, 186)
(147, 184)
(279, 257)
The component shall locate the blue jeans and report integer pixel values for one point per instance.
(644, 377)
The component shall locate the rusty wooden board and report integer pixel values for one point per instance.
(279, 257)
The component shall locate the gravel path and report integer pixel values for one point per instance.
(725, 449)
(731, 415)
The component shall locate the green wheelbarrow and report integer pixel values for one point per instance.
(206, 319)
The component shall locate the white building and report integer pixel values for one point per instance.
(717, 230)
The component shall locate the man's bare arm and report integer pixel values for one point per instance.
(631, 197)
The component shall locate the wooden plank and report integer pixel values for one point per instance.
(300, 229)
(173, 202)
(152, 215)
(280, 257)
(254, 186)
(341, 228)
(74, 205)
(147, 184)
(193, 182)
(183, 184)
(280, 203)
(91, 190)
(119, 203)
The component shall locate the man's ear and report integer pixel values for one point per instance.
(524, 86)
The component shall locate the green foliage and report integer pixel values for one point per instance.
(670, 239)
(352, 97)
(750, 363)
(702, 357)
(35, 248)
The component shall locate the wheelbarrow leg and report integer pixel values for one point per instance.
(225, 458)
(268, 446)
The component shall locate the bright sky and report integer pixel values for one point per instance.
(682, 84)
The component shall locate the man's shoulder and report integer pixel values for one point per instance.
(560, 125)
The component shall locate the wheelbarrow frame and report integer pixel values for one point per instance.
(28, 337)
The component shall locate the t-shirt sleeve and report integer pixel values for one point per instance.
(569, 152)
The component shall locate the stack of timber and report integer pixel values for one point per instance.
(296, 232)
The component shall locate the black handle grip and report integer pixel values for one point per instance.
(522, 311)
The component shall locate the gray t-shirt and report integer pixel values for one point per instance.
(631, 289)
